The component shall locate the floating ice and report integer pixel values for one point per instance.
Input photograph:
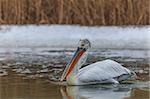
(3, 72)
(64, 36)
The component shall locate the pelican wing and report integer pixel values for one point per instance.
(100, 71)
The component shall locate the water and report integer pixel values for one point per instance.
(31, 69)
(15, 87)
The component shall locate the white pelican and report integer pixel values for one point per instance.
(107, 71)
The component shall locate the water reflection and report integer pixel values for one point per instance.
(123, 91)
(95, 92)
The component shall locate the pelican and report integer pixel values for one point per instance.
(106, 71)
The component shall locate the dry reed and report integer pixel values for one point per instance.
(83, 12)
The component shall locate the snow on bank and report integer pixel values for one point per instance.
(68, 36)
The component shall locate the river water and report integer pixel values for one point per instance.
(29, 72)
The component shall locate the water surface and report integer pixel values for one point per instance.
(31, 69)
(16, 87)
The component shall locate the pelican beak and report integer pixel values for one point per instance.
(69, 68)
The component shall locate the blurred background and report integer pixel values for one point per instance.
(39, 37)
(82, 12)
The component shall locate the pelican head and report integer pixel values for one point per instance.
(84, 44)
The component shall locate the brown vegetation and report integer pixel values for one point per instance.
(83, 12)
